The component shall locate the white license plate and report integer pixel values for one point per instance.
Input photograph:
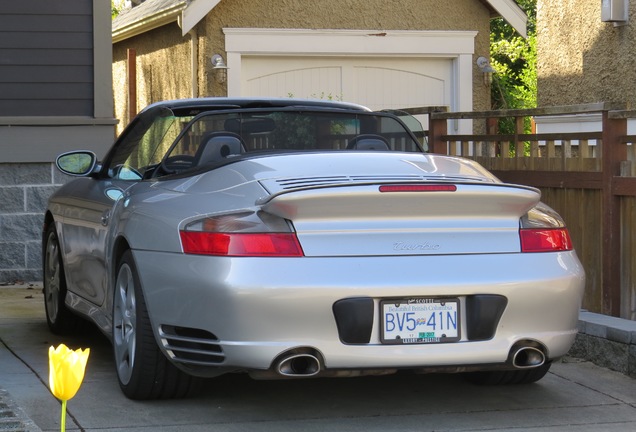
(420, 320)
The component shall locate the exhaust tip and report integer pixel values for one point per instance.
(299, 365)
(528, 357)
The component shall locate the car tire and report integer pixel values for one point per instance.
(519, 376)
(58, 317)
(142, 369)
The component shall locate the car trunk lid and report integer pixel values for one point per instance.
(385, 216)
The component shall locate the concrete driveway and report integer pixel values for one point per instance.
(575, 395)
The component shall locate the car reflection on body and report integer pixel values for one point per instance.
(293, 238)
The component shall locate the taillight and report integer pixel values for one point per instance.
(543, 230)
(545, 240)
(419, 188)
(254, 234)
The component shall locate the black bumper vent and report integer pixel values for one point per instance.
(483, 313)
(354, 318)
(191, 346)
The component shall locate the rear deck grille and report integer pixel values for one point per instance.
(191, 346)
(278, 185)
(294, 183)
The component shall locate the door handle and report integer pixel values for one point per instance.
(105, 217)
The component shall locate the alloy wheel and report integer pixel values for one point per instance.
(125, 323)
(52, 270)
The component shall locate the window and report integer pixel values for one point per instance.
(144, 143)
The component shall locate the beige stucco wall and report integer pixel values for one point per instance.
(161, 73)
(582, 59)
(166, 74)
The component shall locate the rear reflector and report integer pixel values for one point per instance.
(419, 188)
(241, 244)
(545, 240)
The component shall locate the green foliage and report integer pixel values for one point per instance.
(329, 97)
(322, 95)
(501, 27)
(514, 60)
(115, 8)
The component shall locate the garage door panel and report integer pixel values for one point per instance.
(382, 88)
(376, 82)
(310, 82)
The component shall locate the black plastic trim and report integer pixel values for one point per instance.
(483, 313)
(354, 318)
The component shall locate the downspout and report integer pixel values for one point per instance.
(194, 62)
(194, 56)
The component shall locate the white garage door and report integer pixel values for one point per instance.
(381, 70)
(379, 83)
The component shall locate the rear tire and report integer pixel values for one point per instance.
(142, 369)
(58, 317)
(519, 376)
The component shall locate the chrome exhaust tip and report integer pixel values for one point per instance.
(299, 365)
(528, 357)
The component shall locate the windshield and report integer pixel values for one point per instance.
(145, 142)
(162, 141)
(215, 136)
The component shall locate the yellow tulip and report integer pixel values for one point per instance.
(66, 370)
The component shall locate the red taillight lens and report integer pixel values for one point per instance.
(245, 233)
(241, 244)
(419, 188)
(545, 240)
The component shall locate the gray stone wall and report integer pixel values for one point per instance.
(24, 191)
(606, 341)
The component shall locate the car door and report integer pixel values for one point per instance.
(88, 202)
(85, 218)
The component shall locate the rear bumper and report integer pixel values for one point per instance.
(251, 310)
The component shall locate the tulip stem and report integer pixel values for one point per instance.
(63, 420)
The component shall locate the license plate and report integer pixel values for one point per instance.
(420, 320)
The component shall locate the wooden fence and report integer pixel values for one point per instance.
(588, 177)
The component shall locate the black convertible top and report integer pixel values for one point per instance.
(217, 103)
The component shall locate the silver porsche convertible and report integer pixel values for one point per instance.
(293, 238)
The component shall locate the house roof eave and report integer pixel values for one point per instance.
(507, 9)
(194, 12)
(148, 22)
(510, 11)
(188, 13)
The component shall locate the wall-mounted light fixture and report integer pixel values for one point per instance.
(484, 66)
(615, 11)
(220, 68)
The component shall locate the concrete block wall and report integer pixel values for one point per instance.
(606, 341)
(24, 191)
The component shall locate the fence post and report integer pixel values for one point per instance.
(436, 129)
(613, 151)
(492, 128)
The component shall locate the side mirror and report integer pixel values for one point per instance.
(77, 163)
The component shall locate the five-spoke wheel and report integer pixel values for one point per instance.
(143, 371)
(60, 319)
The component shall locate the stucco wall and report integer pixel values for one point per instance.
(582, 59)
(469, 15)
(161, 73)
